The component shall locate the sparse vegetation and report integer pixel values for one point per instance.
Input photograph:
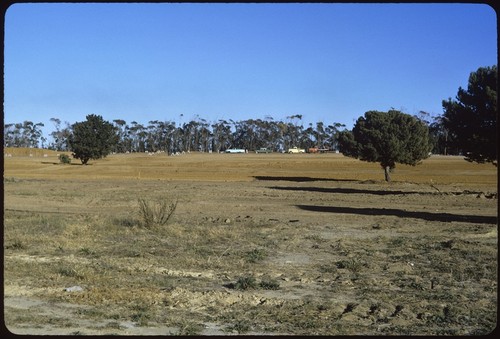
(155, 213)
(15, 245)
(256, 255)
(241, 326)
(245, 283)
(69, 272)
(88, 252)
(274, 269)
(188, 328)
(269, 284)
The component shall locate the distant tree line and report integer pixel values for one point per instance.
(196, 135)
(204, 136)
(23, 134)
(467, 127)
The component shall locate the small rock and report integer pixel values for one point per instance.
(227, 221)
(73, 289)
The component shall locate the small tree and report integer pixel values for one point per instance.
(92, 139)
(471, 120)
(387, 138)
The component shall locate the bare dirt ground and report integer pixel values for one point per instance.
(272, 244)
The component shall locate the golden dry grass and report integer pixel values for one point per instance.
(245, 167)
(302, 222)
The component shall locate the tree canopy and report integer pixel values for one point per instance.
(387, 138)
(92, 139)
(471, 119)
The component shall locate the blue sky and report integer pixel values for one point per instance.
(328, 62)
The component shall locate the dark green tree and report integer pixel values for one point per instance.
(471, 119)
(92, 139)
(387, 138)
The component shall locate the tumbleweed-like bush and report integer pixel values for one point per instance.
(156, 213)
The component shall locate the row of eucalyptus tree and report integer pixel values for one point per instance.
(23, 134)
(204, 136)
(217, 136)
(196, 135)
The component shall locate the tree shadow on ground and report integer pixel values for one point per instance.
(443, 217)
(344, 190)
(70, 164)
(364, 191)
(297, 179)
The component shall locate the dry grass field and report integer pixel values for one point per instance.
(248, 244)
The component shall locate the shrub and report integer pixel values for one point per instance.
(240, 326)
(255, 255)
(155, 214)
(88, 252)
(127, 221)
(189, 328)
(350, 264)
(249, 282)
(64, 159)
(141, 314)
(269, 284)
(245, 283)
(16, 245)
(69, 272)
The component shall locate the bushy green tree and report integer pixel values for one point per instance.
(92, 139)
(471, 119)
(387, 138)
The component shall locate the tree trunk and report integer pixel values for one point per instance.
(387, 171)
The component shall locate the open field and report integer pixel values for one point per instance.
(302, 244)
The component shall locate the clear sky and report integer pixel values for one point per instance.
(328, 62)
